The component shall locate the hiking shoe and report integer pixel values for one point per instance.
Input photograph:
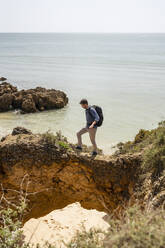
(94, 153)
(79, 148)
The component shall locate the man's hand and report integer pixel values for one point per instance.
(92, 125)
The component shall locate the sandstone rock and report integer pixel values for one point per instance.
(6, 102)
(18, 99)
(6, 88)
(32, 100)
(57, 177)
(6, 96)
(20, 130)
(28, 105)
(40, 99)
(3, 79)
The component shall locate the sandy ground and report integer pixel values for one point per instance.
(60, 226)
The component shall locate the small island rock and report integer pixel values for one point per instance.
(32, 100)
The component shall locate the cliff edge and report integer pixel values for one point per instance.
(52, 175)
(46, 169)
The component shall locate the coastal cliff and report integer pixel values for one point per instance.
(53, 175)
(57, 176)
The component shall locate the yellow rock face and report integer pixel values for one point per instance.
(52, 178)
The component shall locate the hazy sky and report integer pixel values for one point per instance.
(82, 15)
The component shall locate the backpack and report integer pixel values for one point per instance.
(100, 114)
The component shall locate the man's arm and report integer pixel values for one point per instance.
(96, 117)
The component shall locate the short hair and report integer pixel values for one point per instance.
(84, 101)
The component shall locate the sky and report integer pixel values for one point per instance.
(121, 16)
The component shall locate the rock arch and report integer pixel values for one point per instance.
(57, 178)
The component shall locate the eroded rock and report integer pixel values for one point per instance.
(57, 177)
(3, 79)
(20, 130)
(32, 100)
(28, 105)
(6, 101)
(6, 88)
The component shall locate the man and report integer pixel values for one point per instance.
(92, 118)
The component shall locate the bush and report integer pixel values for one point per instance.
(143, 140)
(142, 135)
(154, 156)
(49, 138)
(134, 229)
(56, 139)
(137, 229)
(91, 239)
(11, 235)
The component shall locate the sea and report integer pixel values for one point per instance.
(122, 73)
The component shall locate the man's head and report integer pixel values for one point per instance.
(84, 103)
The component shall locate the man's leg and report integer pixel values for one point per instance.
(79, 134)
(92, 135)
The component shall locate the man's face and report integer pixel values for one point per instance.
(84, 106)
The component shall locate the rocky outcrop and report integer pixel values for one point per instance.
(39, 99)
(53, 176)
(20, 130)
(6, 96)
(32, 100)
(6, 101)
(6, 88)
(3, 79)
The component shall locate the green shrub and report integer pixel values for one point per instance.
(49, 137)
(63, 144)
(86, 239)
(137, 229)
(11, 235)
(55, 139)
(154, 156)
(143, 140)
(142, 135)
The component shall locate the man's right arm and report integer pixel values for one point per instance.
(96, 117)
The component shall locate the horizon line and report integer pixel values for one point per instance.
(75, 32)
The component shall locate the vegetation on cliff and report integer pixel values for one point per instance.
(151, 144)
(144, 140)
(135, 228)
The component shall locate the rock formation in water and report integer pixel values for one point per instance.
(7, 92)
(32, 100)
(57, 176)
(3, 79)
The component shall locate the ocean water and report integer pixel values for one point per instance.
(123, 73)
